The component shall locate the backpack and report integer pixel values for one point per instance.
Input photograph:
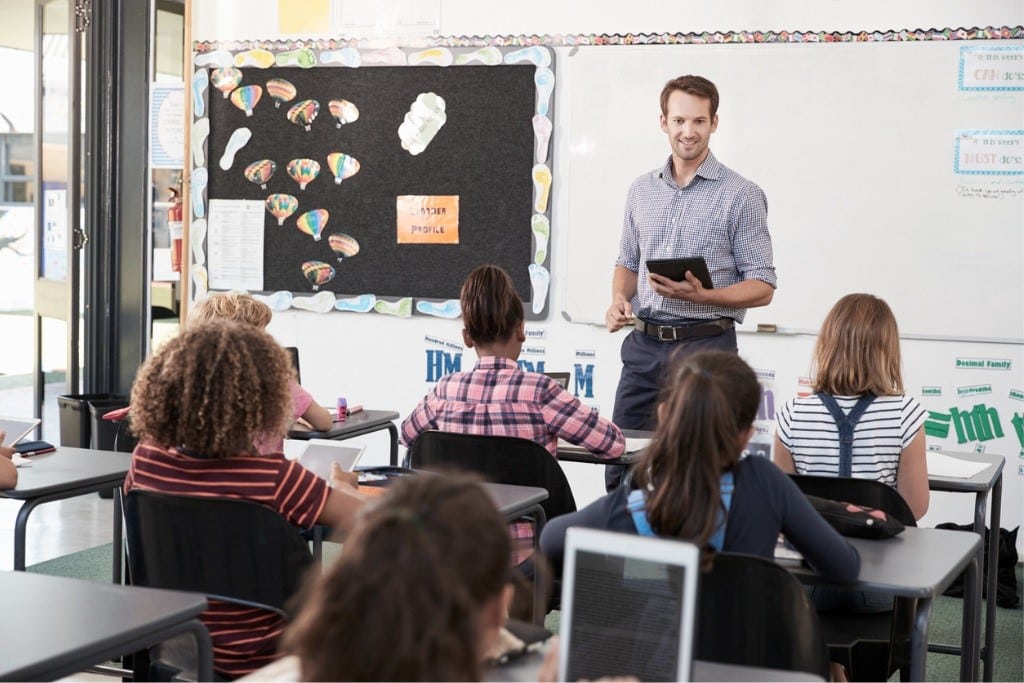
(1006, 576)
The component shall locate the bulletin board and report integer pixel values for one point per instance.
(370, 180)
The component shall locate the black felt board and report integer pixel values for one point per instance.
(483, 154)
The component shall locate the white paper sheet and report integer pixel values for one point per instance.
(235, 244)
(945, 465)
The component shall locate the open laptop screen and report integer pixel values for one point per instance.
(627, 607)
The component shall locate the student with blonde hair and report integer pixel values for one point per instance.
(242, 308)
(858, 377)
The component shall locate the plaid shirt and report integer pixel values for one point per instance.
(497, 398)
(720, 215)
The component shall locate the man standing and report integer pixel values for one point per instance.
(691, 206)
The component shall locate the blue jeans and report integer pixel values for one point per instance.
(644, 361)
(830, 598)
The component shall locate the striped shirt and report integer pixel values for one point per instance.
(497, 398)
(720, 215)
(244, 639)
(889, 424)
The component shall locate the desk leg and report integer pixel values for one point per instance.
(988, 651)
(20, 525)
(117, 538)
(393, 431)
(204, 650)
(971, 621)
(540, 518)
(919, 639)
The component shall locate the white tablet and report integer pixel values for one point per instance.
(321, 453)
(17, 428)
(628, 607)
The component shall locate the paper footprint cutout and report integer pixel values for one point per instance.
(544, 79)
(540, 278)
(196, 235)
(542, 134)
(346, 56)
(302, 57)
(401, 308)
(444, 309)
(199, 180)
(239, 139)
(321, 302)
(541, 187)
(535, 53)
(200, 131)
(261, 59)
(199, 283)
(438, 56)
(200, 83)
(486, 55)
(356, 304)
(217, 58)
(278, 301)
(541, 232)
(388, 56)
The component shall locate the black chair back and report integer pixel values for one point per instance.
(499, 459)
(866, 492)
(752, 612)
(232, 550)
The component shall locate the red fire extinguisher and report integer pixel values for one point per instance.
(174, 223)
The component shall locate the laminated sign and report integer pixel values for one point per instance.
(428, 219)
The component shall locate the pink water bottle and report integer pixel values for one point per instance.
(342, 409)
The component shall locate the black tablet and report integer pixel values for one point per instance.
(675, 269)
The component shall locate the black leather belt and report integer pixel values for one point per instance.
(695, 330)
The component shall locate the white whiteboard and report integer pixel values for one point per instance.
(854, 146)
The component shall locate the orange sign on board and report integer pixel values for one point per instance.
(428, 219)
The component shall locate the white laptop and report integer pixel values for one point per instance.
(17, 428)
(629, 606)
(319, 454)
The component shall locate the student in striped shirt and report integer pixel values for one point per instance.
(196, 407)
(858, 354)
(498, 398)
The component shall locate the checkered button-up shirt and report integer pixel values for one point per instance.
(720, 215)
(497, 398)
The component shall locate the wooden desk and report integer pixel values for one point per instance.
(55, 626)
(919, 563)
(988, 481)
(357, 424)
(66, 473)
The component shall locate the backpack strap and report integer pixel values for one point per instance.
(637, 506)
(846, 423)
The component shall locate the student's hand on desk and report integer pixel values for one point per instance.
(689, 289)
(340, 477)
(4, 450)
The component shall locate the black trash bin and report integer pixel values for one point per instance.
(82, 424)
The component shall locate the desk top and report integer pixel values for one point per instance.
(982, 481)
(68, 468)
(918, 563)
(571, 453)
(54, 626)
(356, 423)
(513, 501)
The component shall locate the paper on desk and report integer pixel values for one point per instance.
(20, 461)
(637, 443)
(942, 465)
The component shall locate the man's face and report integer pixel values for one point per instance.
(689, 125)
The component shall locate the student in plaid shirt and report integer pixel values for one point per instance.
(497, 398)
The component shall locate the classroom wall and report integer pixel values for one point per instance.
(388, 362)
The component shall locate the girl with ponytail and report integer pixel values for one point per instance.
(692, 482)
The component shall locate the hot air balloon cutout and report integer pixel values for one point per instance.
(313, 223)
(281, 90)
(342, 166)
(259, 172)
(303, 171)
(281, 206)
(318, 273)
(343, 111)
(344, 246)
(303, 113)
(246, 97)
(226, 79)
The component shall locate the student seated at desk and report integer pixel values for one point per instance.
(196, 407)
(497, 398)
(242, 308)
(8, 472)
(692, 484)
(419, 593)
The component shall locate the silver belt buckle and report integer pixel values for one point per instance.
(671, 333)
